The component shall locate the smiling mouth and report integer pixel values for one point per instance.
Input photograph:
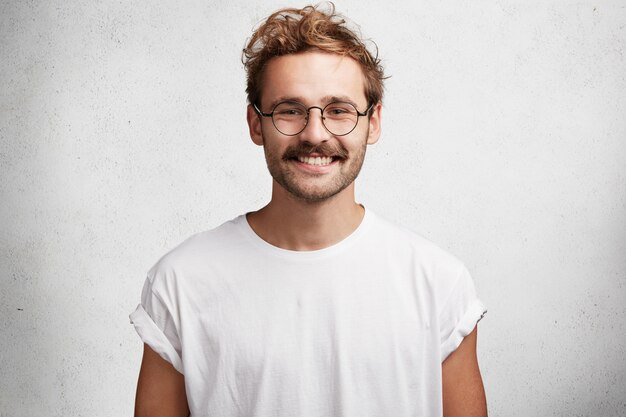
(316, 160)
(321, 155)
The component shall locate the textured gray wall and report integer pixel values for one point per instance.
(122, 131)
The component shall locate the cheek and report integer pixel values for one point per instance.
(273, 152)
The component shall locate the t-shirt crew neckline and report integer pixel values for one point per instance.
(244, 226)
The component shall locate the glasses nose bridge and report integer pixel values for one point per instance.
(308, 114)
(308, 111)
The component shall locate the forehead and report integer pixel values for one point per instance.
(311, 77)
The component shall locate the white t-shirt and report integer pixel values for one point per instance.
(357, 329)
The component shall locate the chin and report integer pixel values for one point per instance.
(313, 194)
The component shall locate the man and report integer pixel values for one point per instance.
(312, 305)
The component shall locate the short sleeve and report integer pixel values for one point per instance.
(460, 313)
(156, 327)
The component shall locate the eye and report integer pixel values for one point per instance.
(337, 110)
(291, 112)
(289, 109)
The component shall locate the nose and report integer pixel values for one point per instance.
(315, 131)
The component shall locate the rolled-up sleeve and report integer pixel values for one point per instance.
(461, 312)
(156, 326)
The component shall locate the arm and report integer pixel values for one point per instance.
(160, 389)
(463, 391)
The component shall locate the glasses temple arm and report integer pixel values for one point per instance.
(260, 112)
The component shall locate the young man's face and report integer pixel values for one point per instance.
(314, 79)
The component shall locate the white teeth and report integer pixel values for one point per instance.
(318, 160)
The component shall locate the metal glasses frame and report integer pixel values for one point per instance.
(308, 111)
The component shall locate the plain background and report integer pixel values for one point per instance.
(122, 132)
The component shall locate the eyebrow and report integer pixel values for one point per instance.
(324, 101)
(280, 99)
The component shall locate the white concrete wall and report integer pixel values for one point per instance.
(122, 131)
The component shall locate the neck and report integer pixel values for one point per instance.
(293, 224)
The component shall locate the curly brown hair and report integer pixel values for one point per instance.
(290, 31)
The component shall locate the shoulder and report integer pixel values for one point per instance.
(197, 252)
(395, 237)
(441, 282)
(426, 261)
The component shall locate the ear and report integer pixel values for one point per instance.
(254, 125)
(375, 124)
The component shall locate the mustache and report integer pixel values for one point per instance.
(325, 149)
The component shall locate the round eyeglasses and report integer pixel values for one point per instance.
(291, 117)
